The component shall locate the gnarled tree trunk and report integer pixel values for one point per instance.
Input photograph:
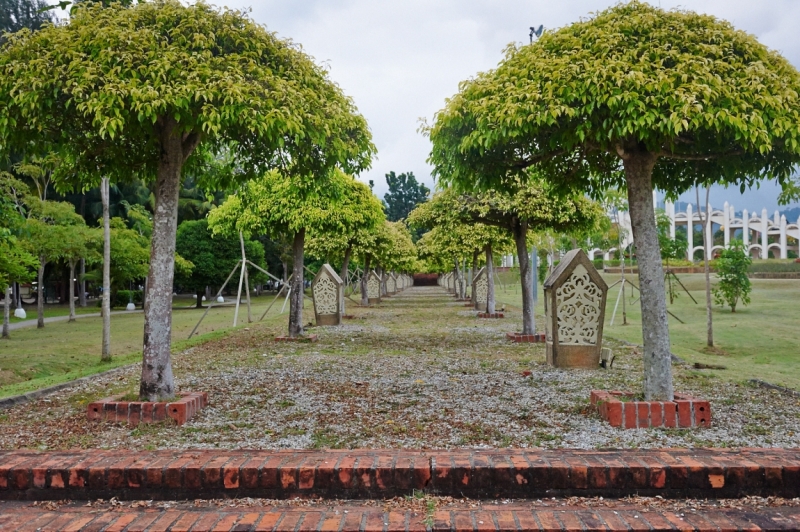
(490, 302)
(655, 328)
(157, 379)
(525, 276)
(298, 288)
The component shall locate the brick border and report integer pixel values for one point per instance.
(384, 473)
(307, 339)
(534, 338)
(352, 518)
(135, 412)
(486, 315)
(684, 412)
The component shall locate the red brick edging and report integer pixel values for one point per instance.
(489, 518)
(685, 411)
(308, 339)
(526, 338)
(135, 412)
(496, 473)
(487, 315)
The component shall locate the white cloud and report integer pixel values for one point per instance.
(399, 60)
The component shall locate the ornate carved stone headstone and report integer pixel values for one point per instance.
(373, 288)
(481, 287)
(327, 291)
(391, 283)
(574, 305)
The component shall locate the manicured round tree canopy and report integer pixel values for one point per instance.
(634, 95)
(143, 91)
(277, 205)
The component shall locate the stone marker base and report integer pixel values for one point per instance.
(135, 412)
(308, 339)
(487, 315)
(526, 338)
(684, 412)
(468, 305)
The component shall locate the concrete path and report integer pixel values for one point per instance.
(53, 319)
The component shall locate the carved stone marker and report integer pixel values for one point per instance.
(327, 291)
(391, 283)
(481, 287)
(373, 288)
(574, 306)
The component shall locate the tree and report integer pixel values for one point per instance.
(278, 205)
(734, 284)
(404, 194)
(174, 86)
(76, 244)
(46, 230)
(361, 213)
(634, 95)
(213, 258)
(708, 244)
(16, 264)
(18, 14)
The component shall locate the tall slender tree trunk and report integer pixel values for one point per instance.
(40, 293)
(72, 290)
(106, 303)
(200, 294)
(706, 220)
(655, 328)
(157, 378)
(346, 263)
(6, 310)
(382, 277)
(525, 276)
(82, 285)
(472, 297)
(298, 289)
(364, 278)
(490, 302)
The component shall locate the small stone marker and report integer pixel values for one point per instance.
(481, 285)
(373, 288)
(574, 306)
(327, 292)
(391, 283)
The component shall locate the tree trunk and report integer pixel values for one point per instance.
(40, 293)
(706, 219)
(655, 328)
(157, 379)
(346, 263)
(6, 310)
(106, 304)
(379, 271)
(296, 297)
(525, 276)
(71, 290)
(82, 285)
(490, 303)
(472, 297)
(200, 294)
(364, 277)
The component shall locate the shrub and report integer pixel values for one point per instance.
(123, 297)
(733, 285)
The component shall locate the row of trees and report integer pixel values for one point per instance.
(634, 97)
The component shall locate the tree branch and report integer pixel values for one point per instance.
(689, 157)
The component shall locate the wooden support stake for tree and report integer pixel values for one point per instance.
(218, 294)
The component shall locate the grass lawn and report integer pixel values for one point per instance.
(758, 341)
(35, 358)
(52, 311)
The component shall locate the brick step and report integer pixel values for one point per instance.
(381, 473)
(497, 518)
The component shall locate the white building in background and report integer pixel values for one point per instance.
(763, 237)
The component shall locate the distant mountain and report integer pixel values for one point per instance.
(792, 214)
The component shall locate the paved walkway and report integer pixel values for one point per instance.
(347, 518)
(54, 319)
